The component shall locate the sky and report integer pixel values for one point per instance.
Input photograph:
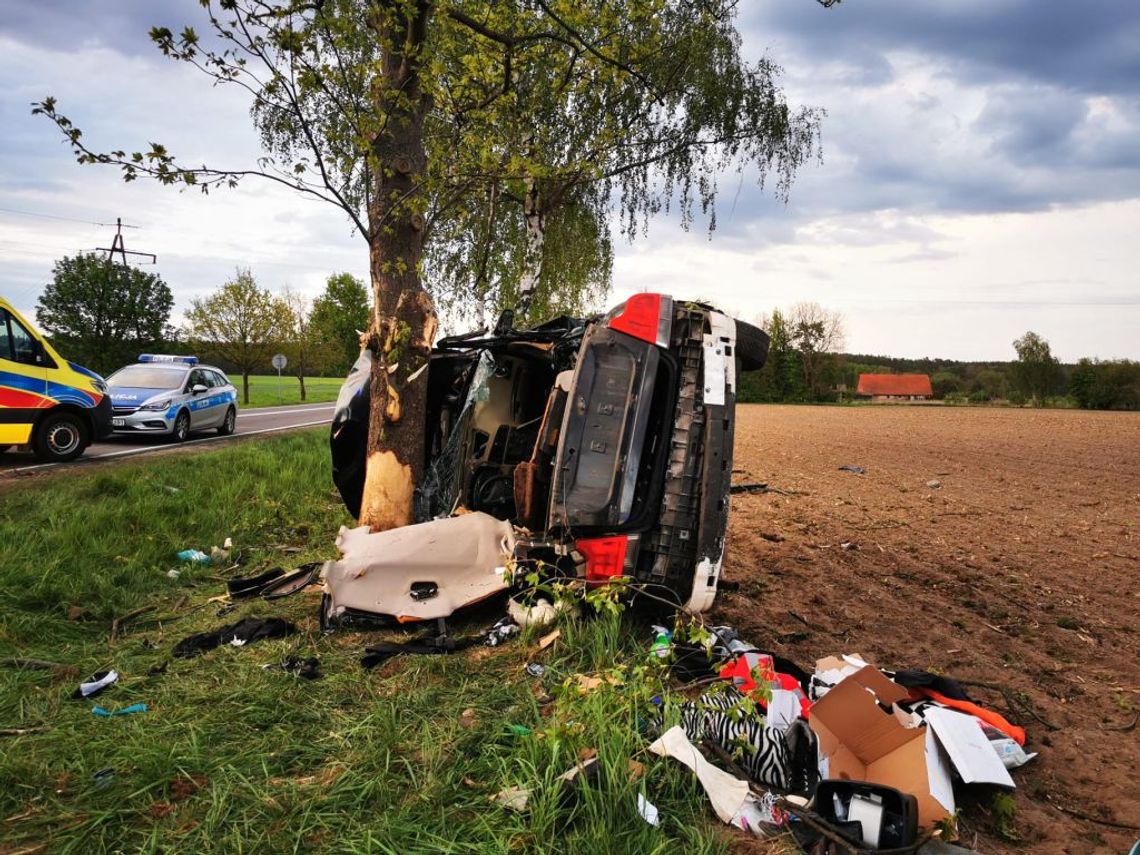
(980, 174)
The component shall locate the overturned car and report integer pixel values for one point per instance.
(605, 442)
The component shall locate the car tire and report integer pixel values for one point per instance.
(181, 431)
(751, 346)
(60, 437)
(229, 423)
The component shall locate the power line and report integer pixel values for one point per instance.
(63, 219)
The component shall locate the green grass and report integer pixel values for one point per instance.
(234, 758)
(265, 391)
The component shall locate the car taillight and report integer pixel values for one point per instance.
(605, 556)
(645, 316)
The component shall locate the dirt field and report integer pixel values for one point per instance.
(1020, 570)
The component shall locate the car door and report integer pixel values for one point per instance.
(218, 401)
(23, 382)
(199, 403)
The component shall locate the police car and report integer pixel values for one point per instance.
(171, 395)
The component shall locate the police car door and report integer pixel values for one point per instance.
(201, 414)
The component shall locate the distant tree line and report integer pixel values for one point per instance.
(805, 366)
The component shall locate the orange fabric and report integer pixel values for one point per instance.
(1017, 734)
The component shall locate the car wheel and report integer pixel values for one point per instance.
(228, 423)
(751, 346)
(60, 437)
(181, 427)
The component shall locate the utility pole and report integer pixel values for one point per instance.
(117, 246)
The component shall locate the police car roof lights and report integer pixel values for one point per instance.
(166, 357)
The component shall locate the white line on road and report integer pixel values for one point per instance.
(152, 449)
(267, 411)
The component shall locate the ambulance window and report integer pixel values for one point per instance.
(19, 345)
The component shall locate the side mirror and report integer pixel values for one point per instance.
(198, 388)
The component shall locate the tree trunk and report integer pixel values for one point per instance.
(301, 380)
(245, 386)
(535, 217)
(403, 322)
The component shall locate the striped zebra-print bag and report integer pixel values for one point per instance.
(719, 716)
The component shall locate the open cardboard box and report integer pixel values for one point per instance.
(859, 740)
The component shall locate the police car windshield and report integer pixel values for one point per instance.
(148, 377)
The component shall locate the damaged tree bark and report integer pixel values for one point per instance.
(403, 324)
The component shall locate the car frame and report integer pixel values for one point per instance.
(607, 441)
(199, 397)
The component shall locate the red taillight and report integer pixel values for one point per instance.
(647, 317)
(605, 556)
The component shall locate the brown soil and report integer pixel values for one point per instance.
(1020, 570)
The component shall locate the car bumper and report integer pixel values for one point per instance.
(141, 421)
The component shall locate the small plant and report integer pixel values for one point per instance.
(1005, 816)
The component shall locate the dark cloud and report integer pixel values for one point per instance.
(1090, 46)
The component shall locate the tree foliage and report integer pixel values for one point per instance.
(339, 317)
(305, 348)
(1036, 372)
(240, 323)
(1107, 385)
(102, 313)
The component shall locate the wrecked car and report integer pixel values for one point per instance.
(606, 442)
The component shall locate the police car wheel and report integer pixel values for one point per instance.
(181, 427)
(60, 437)
(228, 423)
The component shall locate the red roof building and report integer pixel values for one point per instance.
(886, 387)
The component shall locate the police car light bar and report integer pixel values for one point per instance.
(166, 357)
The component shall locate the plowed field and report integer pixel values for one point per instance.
(1020, 569)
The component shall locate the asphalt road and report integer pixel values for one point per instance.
(263, 420)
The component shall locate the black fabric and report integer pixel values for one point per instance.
(425, 644)
(252, 586)
(913, 678)
(692, 662)
(245, 631)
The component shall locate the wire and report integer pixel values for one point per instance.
(64, 219)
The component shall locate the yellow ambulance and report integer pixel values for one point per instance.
(56, 406)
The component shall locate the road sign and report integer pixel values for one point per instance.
(279, 361)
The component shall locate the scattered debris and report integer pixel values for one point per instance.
(253, 585)
(849, 546)
(648, 811)
(512, 798)
(858, 470)
(194, 556)
(772, 536)
(934, 484)
(549, 639)
(131, 710)
(306, 669)
(103, 778)
(95, 684)
(503, 630)
(243, 632)
(173, 574)
(535, 669)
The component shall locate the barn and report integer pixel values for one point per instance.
(894, 387)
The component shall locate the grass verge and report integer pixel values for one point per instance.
(265, 391)
(231, 757)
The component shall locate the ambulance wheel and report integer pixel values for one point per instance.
(60, 437)
(181, 427)
(228, 423)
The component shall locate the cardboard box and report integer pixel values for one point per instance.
(859, 740)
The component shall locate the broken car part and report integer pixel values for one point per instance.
(418, 572)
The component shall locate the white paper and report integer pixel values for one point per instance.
(783, 709)
(647, 810)
(870, 816)
(968, 748)
(727, 793)
(938, 773)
